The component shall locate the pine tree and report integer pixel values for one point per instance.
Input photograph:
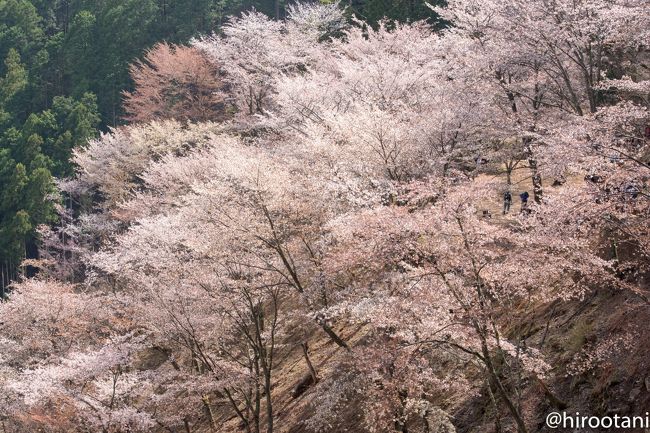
(14, 81)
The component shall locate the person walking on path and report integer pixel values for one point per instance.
(507, 201)
(524, 200)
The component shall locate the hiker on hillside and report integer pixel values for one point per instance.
(524, 200)
(632, 191)
(507, 201)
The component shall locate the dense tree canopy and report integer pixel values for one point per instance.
(65, 68)
(347, 200)
(285, 219)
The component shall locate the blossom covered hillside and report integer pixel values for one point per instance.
(307, 229)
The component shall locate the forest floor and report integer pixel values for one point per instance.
(521, 182)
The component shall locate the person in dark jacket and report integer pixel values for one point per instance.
(524, 200)
(632, 191)
(507, 201)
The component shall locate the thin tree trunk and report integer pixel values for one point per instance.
(209, 412)
(536, 176)
(22, 265)
(293, 278)
(256, 411)
(269, 403)
(496, 381)
(239, 413)
(258, 397)
(332, 334)
(312, 370)
(497, 415)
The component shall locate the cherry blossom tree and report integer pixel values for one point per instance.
(546, 61)
(344, 196)
(216, 299)
(49, 328)
(253, 52)
(174, 82)
(388, 98)
(442, 280)
(111, 164)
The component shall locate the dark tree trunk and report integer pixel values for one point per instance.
(536, 176)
